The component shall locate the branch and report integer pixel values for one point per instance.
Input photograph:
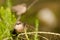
(57, 34)
(31, 4)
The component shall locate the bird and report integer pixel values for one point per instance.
(19, 27)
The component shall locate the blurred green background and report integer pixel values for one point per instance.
(31, 14)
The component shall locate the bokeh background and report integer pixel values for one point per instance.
(31, 14)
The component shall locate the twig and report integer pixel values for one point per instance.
(44, 37)
(31, 4)
(40, 33)
(26, 34)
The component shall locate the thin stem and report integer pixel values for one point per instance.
(44, 37)
(32, 4)
(26, 34)
(36, 29)
(57, 34)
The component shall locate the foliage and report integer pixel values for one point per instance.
(7, 22)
